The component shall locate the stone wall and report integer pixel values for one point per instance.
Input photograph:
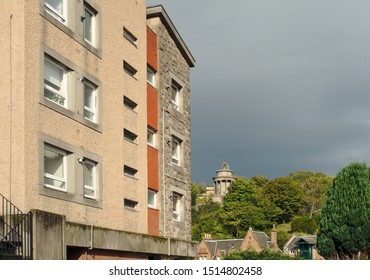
(173, 122)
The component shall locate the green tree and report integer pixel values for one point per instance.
(314, 193)
(303, 224)
(282, 198)
(302, 175)
(205, 220)
(195, 190)
(259, 180)
(344, 230)
(242, 208)
(252, 255)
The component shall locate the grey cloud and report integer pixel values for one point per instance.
(279, 85)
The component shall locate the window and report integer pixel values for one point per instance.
(176, 150)
(89, 21)
(128, 103)
(175, 95)
(128, 135)
(90, 102)
(150, 76)
(89, 177)
(151, 137)
(56, 8)
(129, 36)
(130, 204)
(152, 199)
(129, 171)
(55, 82)
(176, 202)
(129, 69)
(55, 168)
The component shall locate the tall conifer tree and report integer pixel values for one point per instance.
(344, 230)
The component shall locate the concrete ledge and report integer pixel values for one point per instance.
(80, 235)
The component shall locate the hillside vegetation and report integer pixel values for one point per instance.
(292, 203)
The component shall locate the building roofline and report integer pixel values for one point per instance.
(159, 11)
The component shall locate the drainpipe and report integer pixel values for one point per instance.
(91, 237)
(10, 108)
(169, 246)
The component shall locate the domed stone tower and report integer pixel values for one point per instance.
(222, 180)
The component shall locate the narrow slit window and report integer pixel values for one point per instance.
(129, 36)
(129, 171)
(128, 103)
(129, 69)
(129, 136)
(130, 204)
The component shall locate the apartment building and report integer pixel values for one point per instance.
(95, 140)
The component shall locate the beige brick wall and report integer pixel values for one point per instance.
(35, 32)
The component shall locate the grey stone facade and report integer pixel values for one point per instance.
(174, 123)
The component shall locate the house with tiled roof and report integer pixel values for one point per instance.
(254, 240)
(216, 249)
(259, 241)
(302, 246)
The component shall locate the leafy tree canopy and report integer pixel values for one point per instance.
(242, 208)
(252, 255)
(344, 229)
(283, 198)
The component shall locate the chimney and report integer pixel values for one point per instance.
(207, 236)
(274, 238)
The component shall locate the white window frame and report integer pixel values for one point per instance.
(92, 188)
(94, 97)
(154, 194)
(52, 176)
(176, 150)
(176, 206)
(150, 76)
(59, 15)
(151, 137)
(92, 13)
(175, 95)
(60, 94)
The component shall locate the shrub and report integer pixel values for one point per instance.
(303, 224)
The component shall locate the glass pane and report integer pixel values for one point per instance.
(88, 175)
(174, 93)
(57, 5)
(151, 137)
(53, 163)
(150, 76)
(54, 182)
(88, 26)
(89, 115)
(151, 198)
(175, 203)
(53, 75)
(175, 149)
(89, 193)
(54, 97)
(89, 100)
